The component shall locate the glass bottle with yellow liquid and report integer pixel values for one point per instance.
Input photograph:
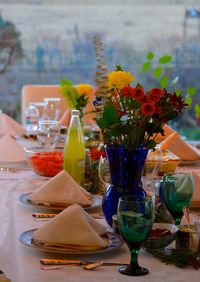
(74, 149)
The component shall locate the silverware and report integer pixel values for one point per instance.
(60, 262)
(93, 265)
(47, 216)
(90, 266)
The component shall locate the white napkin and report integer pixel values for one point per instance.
(9, 127)
(179, 147)
(61, 190)
(73, 229)
(10, 150)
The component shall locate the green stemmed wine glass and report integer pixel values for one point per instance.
(135, 218)
(177, 191)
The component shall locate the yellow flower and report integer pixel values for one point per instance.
(120, 79)
(86, 89)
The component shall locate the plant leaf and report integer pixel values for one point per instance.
(191, 91)
(188, 100)
(178, 92)
(139, 85)
(146, 66)
(110, 116)
(150, 144)
(65, 82)
(150, 56)
(164, 81)
(197, 109)
(157, 72)
(165, 59)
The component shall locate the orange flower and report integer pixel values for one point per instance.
(86, 89)
(148, 109)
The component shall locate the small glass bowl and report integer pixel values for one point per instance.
(44, 161)
(159, 239)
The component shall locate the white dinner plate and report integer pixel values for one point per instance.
(96, 203)
(115, 242)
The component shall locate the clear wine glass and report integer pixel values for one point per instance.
(104, 173)
(177, 190)
(52, 109)
(48, 132)
(151, 171)
(135, 219)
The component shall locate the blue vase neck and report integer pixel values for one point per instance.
(126, 166)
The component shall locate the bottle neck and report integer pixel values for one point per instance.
(75, 121)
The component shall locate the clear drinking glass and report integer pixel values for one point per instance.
(48, 132)
(52, 109)
(40, 106)
(135, 219)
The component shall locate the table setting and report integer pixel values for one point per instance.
(56, 226)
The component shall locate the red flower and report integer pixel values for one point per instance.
(127, 91)
(95, 154)
(177, 102)
(148, 109)
(155, 94)
(137, 93)
(120, 114)
(103, 154)
(158, 109)
(143, 100)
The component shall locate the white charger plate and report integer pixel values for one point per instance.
(96, 203)
(115, 242)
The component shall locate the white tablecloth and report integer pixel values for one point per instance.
(21, 263)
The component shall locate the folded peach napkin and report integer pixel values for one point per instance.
(10, 150)
(61, 190)
(9, 127)
(178, 146)
(72, 229)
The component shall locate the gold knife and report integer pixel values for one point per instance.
(79, 262)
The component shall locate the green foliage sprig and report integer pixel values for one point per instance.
(74, 98)
(179, 258)
(158, 72)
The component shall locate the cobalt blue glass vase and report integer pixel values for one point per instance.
(126, 168)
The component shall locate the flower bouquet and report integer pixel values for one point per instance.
(129, 117)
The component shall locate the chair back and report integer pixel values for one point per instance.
(36, 93)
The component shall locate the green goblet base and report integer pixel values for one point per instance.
(137, 271)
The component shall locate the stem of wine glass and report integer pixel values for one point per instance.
(178, 217)
(178, 221)
(134, 258)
